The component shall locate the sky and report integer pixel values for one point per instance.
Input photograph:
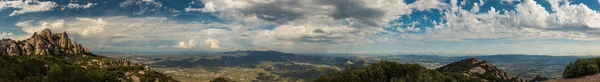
(555, 27)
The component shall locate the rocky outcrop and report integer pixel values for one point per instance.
(44, 43)
(68, 53)
(538, 79)
(480, 69)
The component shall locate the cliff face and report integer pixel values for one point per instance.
(44, 43)
(480, 69)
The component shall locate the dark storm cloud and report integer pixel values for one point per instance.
(318, 31)
(283, 11)
(278, 11)
(355, 9)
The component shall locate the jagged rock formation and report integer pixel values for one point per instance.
(44, 43)
(480, 69)
(46, 56)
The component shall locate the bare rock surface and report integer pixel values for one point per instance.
(43, 43)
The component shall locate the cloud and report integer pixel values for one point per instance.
(6, 35)
(190, 9)
(342, 21)
(184, 45)
(110, 30)
(212, 43)
(318, 31)
(27, 6)
(140, 7)
(208, 7)
(77, 6)
(528, 21)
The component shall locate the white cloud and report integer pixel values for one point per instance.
(212, 43)
(77, 6)
(528, 21)
(107, 30)
(208, 7)
(6, 35)
(27, 6)
(297, 19)
(189, 8)
(184, 45)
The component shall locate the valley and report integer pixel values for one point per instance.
(245, 66)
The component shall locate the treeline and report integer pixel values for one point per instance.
(55, 69)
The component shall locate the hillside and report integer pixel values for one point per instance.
(52, 57)
(468, 70)
(481, 69)
(524, 66)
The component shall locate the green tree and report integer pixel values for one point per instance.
(582, 67)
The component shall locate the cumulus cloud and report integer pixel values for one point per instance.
(212, 43)
(528, 21)
(6, 35)
(184, 45)
(339, 21)
(109, 30)
(309, 25)
(27, 6)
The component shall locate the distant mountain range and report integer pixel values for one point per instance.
(263, 65)
(49, 57)
(279, 66)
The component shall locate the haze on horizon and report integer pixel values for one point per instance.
(549, 27)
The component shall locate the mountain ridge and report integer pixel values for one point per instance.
(54, 57)
(481, 69)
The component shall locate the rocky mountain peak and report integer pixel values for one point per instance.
(481, 69)
(43, 43)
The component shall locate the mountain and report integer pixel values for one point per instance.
(244, 66)
(524, 66)
(55, 57)
(481, 69)
(251, 59)
(388, 71)
(467, 70)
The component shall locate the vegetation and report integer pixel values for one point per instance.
(221, 79)
(582, 67)
(387, 71)
(35, 68)
(538, 79)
